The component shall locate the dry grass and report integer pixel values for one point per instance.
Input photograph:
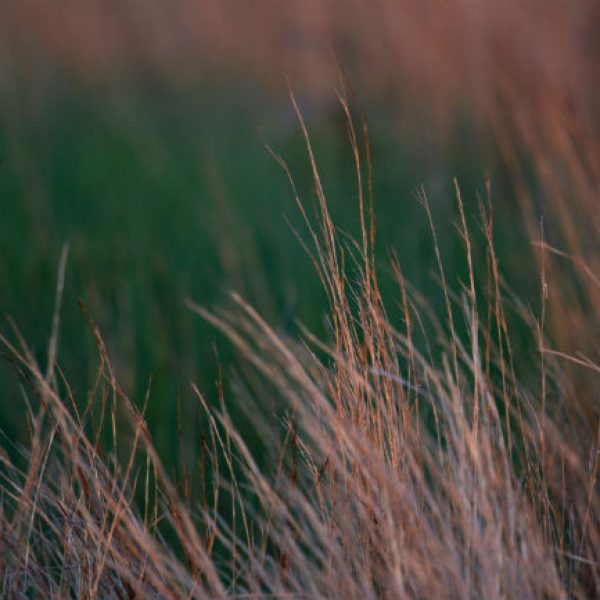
(414, 463)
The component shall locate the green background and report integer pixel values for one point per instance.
(165, 193)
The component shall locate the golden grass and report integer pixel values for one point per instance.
(414, 462)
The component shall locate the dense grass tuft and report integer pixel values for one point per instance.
(410, 462)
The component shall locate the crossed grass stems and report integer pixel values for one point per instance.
(414, 462)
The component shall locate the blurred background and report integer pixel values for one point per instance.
(136, 133)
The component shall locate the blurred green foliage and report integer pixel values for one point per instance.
(163, 195)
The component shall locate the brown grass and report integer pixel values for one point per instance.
(414, 463)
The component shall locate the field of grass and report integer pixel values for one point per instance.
(161, 198)
(265, 338)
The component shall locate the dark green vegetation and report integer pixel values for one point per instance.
(164, 195)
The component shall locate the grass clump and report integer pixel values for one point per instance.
(409, 461)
